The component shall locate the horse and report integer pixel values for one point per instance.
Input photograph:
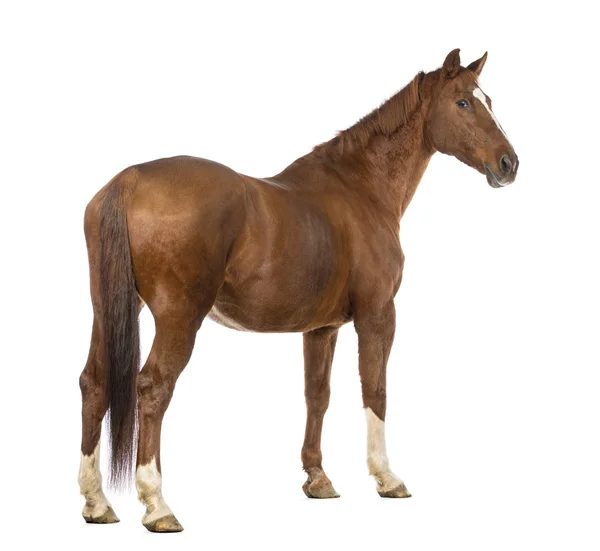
(308, 250)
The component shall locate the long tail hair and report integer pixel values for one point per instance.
(120, 328)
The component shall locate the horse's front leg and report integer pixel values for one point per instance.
(375, 327)
(319, 346)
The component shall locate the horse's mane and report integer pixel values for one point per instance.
(385, 119)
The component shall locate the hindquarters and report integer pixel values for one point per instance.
(160, 232)
(184, 218)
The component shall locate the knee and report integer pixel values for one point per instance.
(144, 384)
(318, 402)
(84, 382)
(88, 384)
(153, 393)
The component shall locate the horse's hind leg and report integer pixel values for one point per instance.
(97, 509)
(319, 346)
(176, 329)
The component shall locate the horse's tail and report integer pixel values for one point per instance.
(120, 328)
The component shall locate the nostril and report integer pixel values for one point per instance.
(506, 164)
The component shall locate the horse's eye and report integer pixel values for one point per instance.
(463, 103)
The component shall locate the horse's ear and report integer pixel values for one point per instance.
(478, 64)
(451, 65)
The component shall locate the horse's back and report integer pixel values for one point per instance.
(185, 177)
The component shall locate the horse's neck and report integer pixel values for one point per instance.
(388, 169)
(398, 163)
(381, 162)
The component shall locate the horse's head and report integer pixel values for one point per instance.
(460, 122)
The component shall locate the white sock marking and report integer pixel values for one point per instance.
(377, 459)
(148, 482)
(90, 484)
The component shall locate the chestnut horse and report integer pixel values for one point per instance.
(305, 251)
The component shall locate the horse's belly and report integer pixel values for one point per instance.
(287, 271)
(276, 314)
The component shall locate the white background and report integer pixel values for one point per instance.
(493, 405)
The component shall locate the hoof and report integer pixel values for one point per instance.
(318, 486)
(109, 517)
(398, 491)
(164, 524)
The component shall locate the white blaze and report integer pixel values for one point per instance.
(478, 93)
(148, 482)
(377, 459)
